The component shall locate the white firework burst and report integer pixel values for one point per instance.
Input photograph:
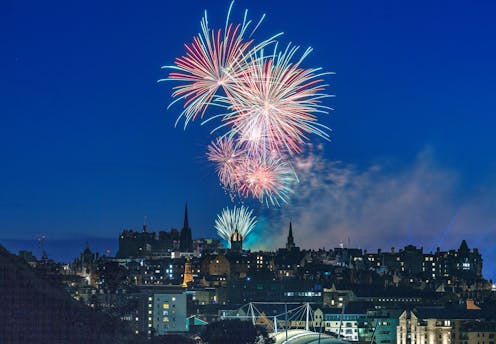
(239, 219)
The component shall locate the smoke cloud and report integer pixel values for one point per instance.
(382, 206)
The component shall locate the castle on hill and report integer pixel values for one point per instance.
(134, 244)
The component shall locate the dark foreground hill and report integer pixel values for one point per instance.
(35, 310)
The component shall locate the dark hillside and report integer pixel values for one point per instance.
(35, 310)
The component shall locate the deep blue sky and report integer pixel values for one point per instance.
(88, 148)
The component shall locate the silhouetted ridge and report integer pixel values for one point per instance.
(36, 311)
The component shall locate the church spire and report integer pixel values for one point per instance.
(185, 239)
(290, 244)
(186, 223)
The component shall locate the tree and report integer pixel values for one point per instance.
(113, 275)
(172, 339)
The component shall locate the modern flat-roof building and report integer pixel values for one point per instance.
(161, 311)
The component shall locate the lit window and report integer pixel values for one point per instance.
(165, 319)
(165, 306)
(173, 298)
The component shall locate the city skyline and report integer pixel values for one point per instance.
(91, 149)
(65, 251)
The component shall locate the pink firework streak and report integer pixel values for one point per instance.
(212, 61)
(275, 104)
(269, 106)
(269, 180)
(227, 158)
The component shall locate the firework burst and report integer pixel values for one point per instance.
(239, 219)
(227, 158)
(268, 179)
(275, 103)
(269, 106)
(213, 60)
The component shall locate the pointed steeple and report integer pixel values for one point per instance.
(186, 223)
(87, 248)
(463, 248)
(290, 244)
(186, 240)
(145, 227)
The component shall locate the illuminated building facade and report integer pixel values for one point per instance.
(161, 311)
(413, 329)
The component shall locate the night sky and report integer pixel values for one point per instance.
(89, 148)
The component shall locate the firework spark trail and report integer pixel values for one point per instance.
(269, 106)
(238, 219)
(227, 157)
(268, 179)
(274, 105)
(212, 61)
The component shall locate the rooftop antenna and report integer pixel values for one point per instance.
(41, 247)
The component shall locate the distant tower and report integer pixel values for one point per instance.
(236, 241)
(145, 227)
(464, 250)
(87, 256)
(41, 247)
(290, 245)
(188, 274)
(186, 240)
